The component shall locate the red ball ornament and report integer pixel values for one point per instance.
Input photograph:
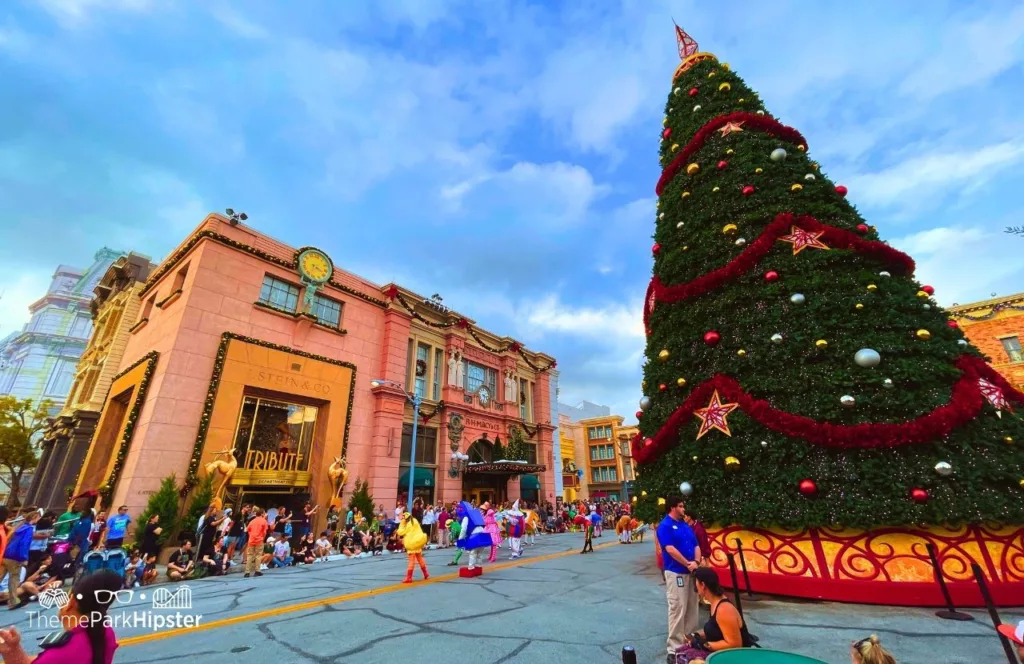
(711, 338)
(667, 132)
(862, 228)
(693, 92)
(771, 275)
(953, 324)
(748, 190)
(656, 248)
(722, 164)
(662, 387)
(639, 414)
(808, 488)
(919, 495)
(841, 190)
(928, 289)
(648, 442)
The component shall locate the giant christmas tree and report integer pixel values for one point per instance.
(797, 375)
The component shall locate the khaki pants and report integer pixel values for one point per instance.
(682, 609)
(253, 554)
(12, 570)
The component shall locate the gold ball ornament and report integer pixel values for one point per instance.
(692, 169)
(796, 187)
(730, 151)
(858, 306)
(759, 170)
(725, 66)
(921, 293)
(923, 335)
(675, 146)
(801, 148)
(715, 190)
(1021, 483)
(821, 344)
(729, 229)
(661, 502)
(741, 352)
(1008, 440)
(681, 382)
(686, 248)
(643, 493)
(634, 499)
(732, 463)
(711, 75)
(686, 194)
(695, 458)
(741, 101)
(872, 288)
(724, 87)
(664, 120)
(664, 354)
(643, 385)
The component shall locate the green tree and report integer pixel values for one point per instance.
(499, 451)
(21, 421)
(361, 499)
(849, 396)
(201, 499)
(516, 448)
(164, 502)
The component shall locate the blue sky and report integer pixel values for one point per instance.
(502, 154)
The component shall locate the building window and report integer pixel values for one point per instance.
(419, 375)
(267, 428)
(475, 376)
(179, 280)
(627, 471)
(426, 445)
(147, 308)
(327, 311)
(624, 448)
(594, 475)
(61, 377)
(438, 364)
(525, 401)
(279, 294)
(594, 453)
(531, 453)
(613, 475)
(1013, 350)
(10, 375)
(80, 327)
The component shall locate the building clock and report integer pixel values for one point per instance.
(315, 266)
(484, 395)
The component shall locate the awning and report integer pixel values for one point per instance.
(529, 483)
(424, 477)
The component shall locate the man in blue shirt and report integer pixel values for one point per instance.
(681, 553)
(117, 526)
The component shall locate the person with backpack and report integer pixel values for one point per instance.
(16, 556)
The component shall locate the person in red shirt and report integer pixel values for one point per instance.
(702, 537)
(257, 531)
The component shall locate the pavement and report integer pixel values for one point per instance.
(551, 606)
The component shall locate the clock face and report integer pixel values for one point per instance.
(484, 395)
(315, 266)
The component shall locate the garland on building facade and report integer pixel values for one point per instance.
(513, 346)
(107, 488)
(192, 476)
(1005, 306)
(426, 417)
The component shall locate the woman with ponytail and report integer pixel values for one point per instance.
(725, 630)
(86, 639)
(870, 651)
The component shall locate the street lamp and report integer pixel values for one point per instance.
(234, 218)
(415, 400)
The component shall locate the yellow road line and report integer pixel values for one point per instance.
(302, 606)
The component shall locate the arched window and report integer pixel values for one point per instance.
(481, 451)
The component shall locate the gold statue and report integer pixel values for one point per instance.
(224, 468)
(339, 475)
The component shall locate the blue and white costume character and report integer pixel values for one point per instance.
(516, 527)
(472, 538)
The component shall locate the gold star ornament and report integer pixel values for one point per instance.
(730, 127)
(714, 416)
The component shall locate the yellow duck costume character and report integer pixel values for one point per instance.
(532, 525)
(413, 539)
(623, 530)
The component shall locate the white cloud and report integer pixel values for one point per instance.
(916, 178)
(76, 13)
(25, 286)
(613, 321)
(238, 24)
(965, 263)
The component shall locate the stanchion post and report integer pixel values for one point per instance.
(950, 612)
(628, 655)
(735, 584)
(979, 577)
(743, 566)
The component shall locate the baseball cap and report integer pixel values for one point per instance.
(1015, 634)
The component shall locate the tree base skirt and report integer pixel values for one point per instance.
(888, 566)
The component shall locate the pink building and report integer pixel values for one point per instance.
(263, 365)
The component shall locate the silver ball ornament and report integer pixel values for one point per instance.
(760, 112)
(797, 298)
(888, 384)
(847, 401)
(679, 224)
(696, 108)
(867, 357)
(778, 154)
(926, 307)
(962, 342)
(764, 443)
(686, 489)
(944, 468)
(661, 215)
(677, 91)
(776, 338)
(740, 241)
(883, 273)
(810, 177)
(645, 403)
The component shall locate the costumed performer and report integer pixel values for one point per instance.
(588, 536)
(472, 535)
(454, 528)
(622, 529)
(413, 539)
(516, 527)
(532, 526)
(491, 528)
(595, 519)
